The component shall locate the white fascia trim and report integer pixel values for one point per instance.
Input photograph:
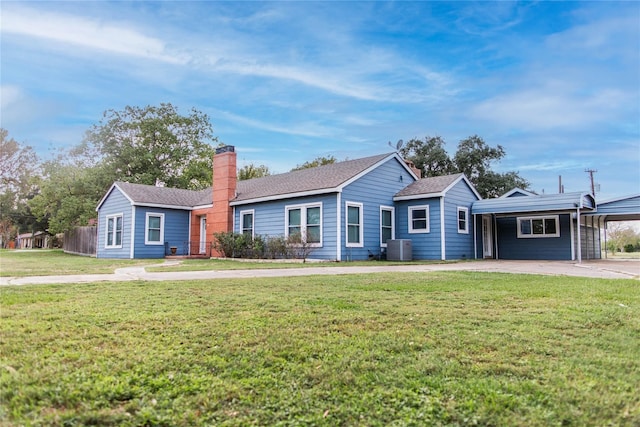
(163, 206)
(380, 162)
(466, 180)
(106, 196)
(202, 206)
(418, 197)
(284, 196)
(443, 245)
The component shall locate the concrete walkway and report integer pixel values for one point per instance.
(598, 269)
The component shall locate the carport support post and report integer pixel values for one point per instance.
(579, 240)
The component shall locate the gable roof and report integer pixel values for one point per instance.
(517, 192)
(434, 186)
(150, 195)
(305, 182)
(535, 204)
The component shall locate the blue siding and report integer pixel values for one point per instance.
(176, 232)
(424, 245)
(115, 204)
(373, 190)
(458, 245)
(550, 248)
(269, 220)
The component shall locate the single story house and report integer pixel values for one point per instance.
(350, 210)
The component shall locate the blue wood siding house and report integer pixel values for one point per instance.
(350, 211)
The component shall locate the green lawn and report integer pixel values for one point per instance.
(39, 262)
(456, 348)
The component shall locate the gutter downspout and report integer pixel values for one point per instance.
(339, 227)
(443, 245)
(475, 238)
(579, 240)
(133, 231)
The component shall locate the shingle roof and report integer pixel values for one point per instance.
(320, 178)
(430, 185)
(151, 195)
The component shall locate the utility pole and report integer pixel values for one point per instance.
(591, 172)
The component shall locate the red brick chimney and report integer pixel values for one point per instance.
(224, 190)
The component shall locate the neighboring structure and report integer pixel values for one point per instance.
(347, 211)
(39, 240)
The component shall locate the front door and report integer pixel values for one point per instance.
(203, 234)
(487, 237)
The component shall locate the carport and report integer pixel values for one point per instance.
(619, 209)
(523, 225)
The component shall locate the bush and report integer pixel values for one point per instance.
(629, 248)
(238, 245)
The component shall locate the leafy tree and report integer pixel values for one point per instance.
(429, 156)
(318, 161)
(251, 171)
(19, 164)
(621, 235)
(473, 158)
(154, 144)
(69, 193)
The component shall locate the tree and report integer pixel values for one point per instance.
(429, 156)
(621, 235)
(473, 158)
(318, 161)
(18, 167)
(154, 144)
(69, 193)
(251, 171)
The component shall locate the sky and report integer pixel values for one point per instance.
(556, 84)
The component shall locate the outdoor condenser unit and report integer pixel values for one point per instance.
(399, 250)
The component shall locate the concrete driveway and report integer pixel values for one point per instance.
(604, 269)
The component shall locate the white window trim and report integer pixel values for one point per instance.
(537, 236)
(106, 231)
(393, 223)
(466, 220)
(360, 207)
(253, 221)
(303, 221)
(410, 213)
(146, 228)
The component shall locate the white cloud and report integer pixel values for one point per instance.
(87, 33)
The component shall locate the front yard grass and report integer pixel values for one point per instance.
(43, 262)
(447, 348)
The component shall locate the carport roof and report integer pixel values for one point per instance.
(620, 209)
(535, 204)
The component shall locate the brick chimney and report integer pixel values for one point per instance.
(413, 167)
(224, 190)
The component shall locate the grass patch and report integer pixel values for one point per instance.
(237, 264)
(454, 348)
(39, 262)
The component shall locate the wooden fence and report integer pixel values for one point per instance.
(81, 241)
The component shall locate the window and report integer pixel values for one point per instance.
(154, 229)
(305, 220)
(114, 231)
(538, 226)
(419, 219)
(246, 223)
(463, 221)
(354, 225)
(387, 222)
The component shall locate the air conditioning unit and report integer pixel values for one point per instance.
(399, 250)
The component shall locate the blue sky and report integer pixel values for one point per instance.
(557, 84)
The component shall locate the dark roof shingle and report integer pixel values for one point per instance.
(306, 180)
(149, 194)
(430, 185)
